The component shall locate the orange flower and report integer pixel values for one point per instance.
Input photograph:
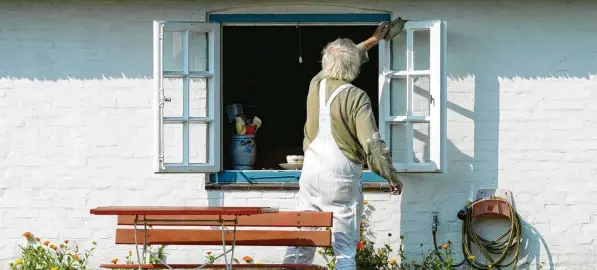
(76, 256)
(46, 243)
(130, 253)
(393, 261)
(362, 223)
(27, 234)
(365, 202)
(115, 261)
(360, 245)
(37, 239)
(54, 247)
(445, 246)
(247, 259)
(66, 241)
(208, 252)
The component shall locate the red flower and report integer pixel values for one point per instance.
(360, 245)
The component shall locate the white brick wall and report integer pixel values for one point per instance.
(75, 125)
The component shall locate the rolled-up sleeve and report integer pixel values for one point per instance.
(363, 52)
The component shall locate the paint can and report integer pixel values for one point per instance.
(244, 152)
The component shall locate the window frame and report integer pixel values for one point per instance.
(438, 95)
(213, 77)
(217, 174)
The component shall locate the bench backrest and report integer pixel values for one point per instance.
(244, 237)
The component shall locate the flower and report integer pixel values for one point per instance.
(258, 263)
(365, 202)
(130, 253)
(66, 241)
(209, 252)
(54, 247)
(393, 261)
(46, 243)
(115, 261)
(445, 246)
(18, 261)
(27, 234)
(37, 239)
(76, 256)
(247, 259)
(360, 245)
(380, 252)
(54, 268)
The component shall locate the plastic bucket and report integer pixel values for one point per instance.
(244, 152)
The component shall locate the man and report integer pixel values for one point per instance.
(340, 136)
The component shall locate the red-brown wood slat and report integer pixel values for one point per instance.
(214, 266)
(214, 237)
(184, 210)
(280, 219)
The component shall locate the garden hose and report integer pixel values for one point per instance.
(503, 245)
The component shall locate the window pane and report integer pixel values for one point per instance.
(198, 56)
(398, 143)
(198, 97)
(172, 51)
(421, 143)
(421, 50)
(173, 143)
(398, 97)
(421, 96)
(398, 52)
(198, 142)
(173, 89)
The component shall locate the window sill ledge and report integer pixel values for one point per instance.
(367, 187)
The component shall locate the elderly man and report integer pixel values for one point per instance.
(340, 136)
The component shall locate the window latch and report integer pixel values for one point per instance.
(431, 100)
(167, 99)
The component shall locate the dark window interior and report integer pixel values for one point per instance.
(261, 70)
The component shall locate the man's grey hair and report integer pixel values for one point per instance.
(341, 60)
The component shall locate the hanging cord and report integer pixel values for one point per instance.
(300, 44)
(296, 4)
(503, 245)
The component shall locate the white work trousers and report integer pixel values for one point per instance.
(330, 182)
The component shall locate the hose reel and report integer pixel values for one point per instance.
(497, 205)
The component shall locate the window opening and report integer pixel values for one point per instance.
(263, 71)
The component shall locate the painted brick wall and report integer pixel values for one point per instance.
(75, 125)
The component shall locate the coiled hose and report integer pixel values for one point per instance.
(503, 245)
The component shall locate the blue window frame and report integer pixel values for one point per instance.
(268, 176)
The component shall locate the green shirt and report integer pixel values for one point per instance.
(353, 125)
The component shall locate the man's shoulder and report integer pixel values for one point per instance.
(356, 94)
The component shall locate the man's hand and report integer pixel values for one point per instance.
(396, 190)
(378, 35)
(381, 31)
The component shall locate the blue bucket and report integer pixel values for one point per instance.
(244, 152)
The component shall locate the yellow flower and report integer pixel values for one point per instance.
(18, 261)
(393, 261)
(365, 202)
(54, 268)
(380, 252)
(258, 263)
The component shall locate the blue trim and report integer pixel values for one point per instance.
(273, 177)
(307, 18)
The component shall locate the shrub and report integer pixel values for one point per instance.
(44, 255)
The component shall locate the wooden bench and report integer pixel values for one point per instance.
(171, 235)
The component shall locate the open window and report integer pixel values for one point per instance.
(187, 103)
(198, 72)
(413, 96)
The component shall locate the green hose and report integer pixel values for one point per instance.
(503, 245)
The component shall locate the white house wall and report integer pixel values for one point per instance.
(76, 125)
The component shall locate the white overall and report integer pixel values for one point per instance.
(330, 182)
